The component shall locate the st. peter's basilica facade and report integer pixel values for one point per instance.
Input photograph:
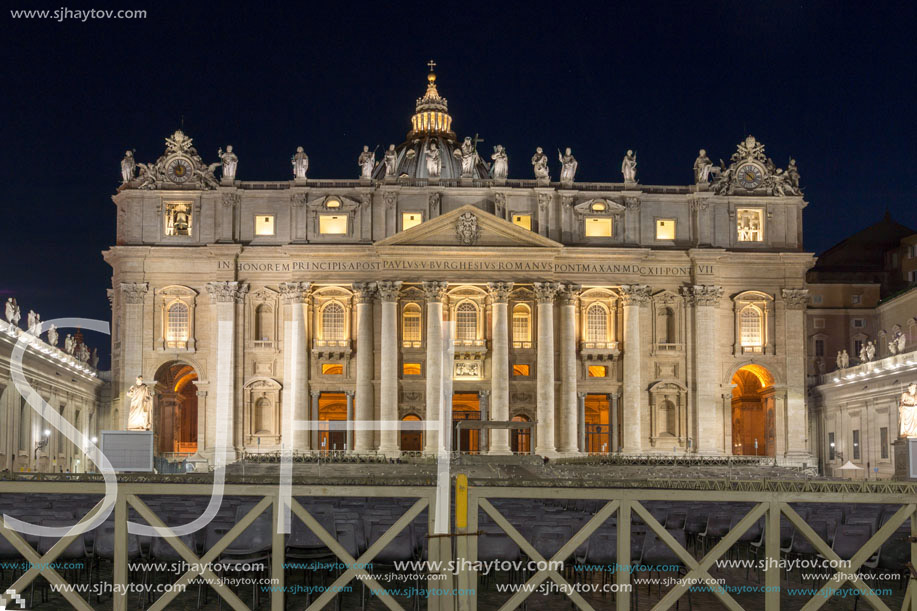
(616, 317)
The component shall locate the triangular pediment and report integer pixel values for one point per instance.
(469, 226)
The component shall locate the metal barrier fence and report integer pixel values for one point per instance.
(771, 504)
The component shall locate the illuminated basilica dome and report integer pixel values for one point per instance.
(431, 128)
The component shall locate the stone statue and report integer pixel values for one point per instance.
(52, 335)
(468, 153)
(839, 361)
(870, 350)
(907, 411)
(34, 322)
(127, 167)
(501, 163)
(82, 353)
(540, 164)
(568, 165)
(893, 347)
(792, 175)
(629, 167)
(862, 353)
(901, 338)
(846, 358)
(94, 359)
(391, 158)
(366, 161)
(12, 312)
(702, 166)
(230, 162)
(68, 344)
(140, 417)
(434, 162)
(300, 164)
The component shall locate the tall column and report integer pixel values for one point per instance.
(569, 414)
(316, 394)
(581, 430)
(613, 422)
(544, 293)
(295, 403)
(388, 440)
(709, 426)
(132, 295)
(224, 296)
(363, 294)
(499, 371)
(349, 436)
(483, 403)
(795, 301)
(434, 291)
(634, 297)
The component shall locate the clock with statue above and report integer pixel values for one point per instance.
(750, 176)
(179, 169)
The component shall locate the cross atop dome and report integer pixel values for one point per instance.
(432, 111)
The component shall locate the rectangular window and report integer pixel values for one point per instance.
(521, 370)
(819, 347)
(912, 276)
(856, 445)
(831, 449)
(856, 299)
(857, 346)
(264, 224)
(818, 323)
(410, 219)
(598, 228)
(883, 442)
(332, 369)
(858, 323)
(523, 220)
(665, 229)
(750, 224)
(598, 371)
(332, 224)
(817, 299)
(411, 369)
(177, 218)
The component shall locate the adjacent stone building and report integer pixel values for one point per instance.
(616, 316)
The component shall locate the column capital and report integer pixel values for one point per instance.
(795, 299)
(581, 395)
(568, 293)
(295, 292)
(499, 291)
(315, 394)
(702, 294)
(435, 291)
(227, 292)
(388, 291)
(545, 291)
(134, 291)
(635, 294)
(484, 393)
(363, 292)
(350, 393)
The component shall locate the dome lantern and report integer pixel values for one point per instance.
(431, 114)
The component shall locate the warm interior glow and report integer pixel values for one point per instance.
(411, 369)
(410, 219)
(598, 228)
(333, 203)
(332, 224)
(599, 206)
(665, 229)
(521, 370)
(332, 369)
(598, 371)
(264, 224)
(523, 220)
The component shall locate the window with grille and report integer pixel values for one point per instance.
(883, 441)
(832, 451)
(522, 324)
(596, 323)
(751, 325)
(856, 445)
(177, 329)
(819, 347)
(466, 322)
(333, 322)
(411, 323)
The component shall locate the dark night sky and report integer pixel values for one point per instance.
(829, 83)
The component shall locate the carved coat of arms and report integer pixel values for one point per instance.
(467, 229)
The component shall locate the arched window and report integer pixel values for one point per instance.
(667, 418)
(263, 416)
(410, 323)
(466, 322)
(411, 438)
(751, 327)
(177, 329)
(25, 424)
(596, 323)
(665, 326)
(264, 323)
(333, 322)
(522, 323)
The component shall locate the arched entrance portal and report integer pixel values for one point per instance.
(753, 415)
(175, 420)
(331, 406)
(411, 439)
(521, 439)
(598, 438)
(466, 406)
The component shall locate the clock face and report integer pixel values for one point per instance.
(179, 170)
(749, 176)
